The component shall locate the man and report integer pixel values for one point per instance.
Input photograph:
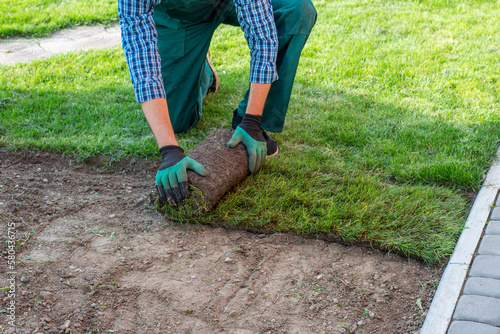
(166, 45)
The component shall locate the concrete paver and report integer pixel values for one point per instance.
(481, 309)
(490, 245)
(493, 228)
(482, 286)
(469, 327)
(495, 214)
(486, 266)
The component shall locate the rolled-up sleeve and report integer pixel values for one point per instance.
(257, 22)
(139, 40)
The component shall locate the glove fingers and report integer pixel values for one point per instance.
(260, 156)
(183, 184)
(177, 195)
(174, 187)
(252, 161)
(163, 188)
(167, 187)
(184, 188)
(165, 195)
(263, 153)
(235, 140)
(197, 167)
(259, 161)
(172, 180)
(171, 197)
(161, 193)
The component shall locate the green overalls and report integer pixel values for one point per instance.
(185, 28)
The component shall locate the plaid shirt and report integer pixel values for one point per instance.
(139, 39)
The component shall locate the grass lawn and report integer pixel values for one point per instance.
(40, 17)
(394, 116)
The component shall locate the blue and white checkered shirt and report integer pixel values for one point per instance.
(139, 39)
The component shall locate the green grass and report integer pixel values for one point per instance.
(40, 17)
(394, 116)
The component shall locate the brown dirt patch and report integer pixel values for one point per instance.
(96, 258)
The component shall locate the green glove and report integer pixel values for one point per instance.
(171, 178)
(251, 135)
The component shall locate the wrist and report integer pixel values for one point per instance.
(171, 155)
(251, 125)
(251, 121)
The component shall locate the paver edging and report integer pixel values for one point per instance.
(452, 282)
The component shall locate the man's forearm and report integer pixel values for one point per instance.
(257, 98)
(156, 112)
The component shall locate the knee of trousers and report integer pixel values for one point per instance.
(299, 17)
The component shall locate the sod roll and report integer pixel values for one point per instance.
(226, 167)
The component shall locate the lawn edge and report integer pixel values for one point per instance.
(328, 237)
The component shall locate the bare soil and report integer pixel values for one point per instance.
(95, 257)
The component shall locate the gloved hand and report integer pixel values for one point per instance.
(250, 134)
(171, 178)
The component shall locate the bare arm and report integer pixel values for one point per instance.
(257, 98)
(156, 112)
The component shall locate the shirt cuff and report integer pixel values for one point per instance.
(149, 88)
(263, 72)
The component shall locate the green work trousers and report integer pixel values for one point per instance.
(185, 29)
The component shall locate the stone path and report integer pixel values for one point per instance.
(21, 50)
(465, 302)
(478, 309)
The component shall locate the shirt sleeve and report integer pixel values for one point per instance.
(257, 22)
(139, 40)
